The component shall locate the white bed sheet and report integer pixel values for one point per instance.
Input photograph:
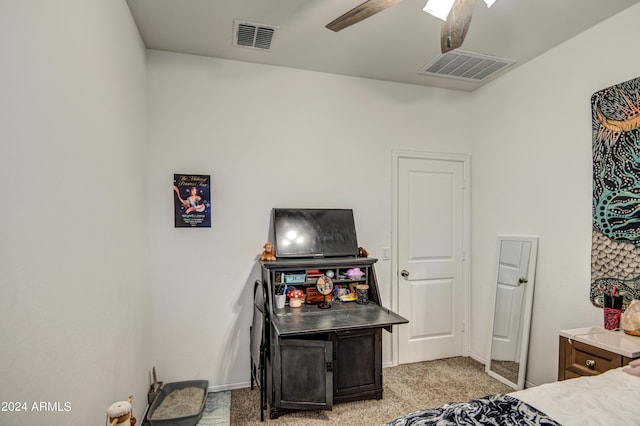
(611, 398)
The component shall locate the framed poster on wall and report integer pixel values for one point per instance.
(192, 201)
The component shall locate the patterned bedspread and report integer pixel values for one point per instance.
(499, 410)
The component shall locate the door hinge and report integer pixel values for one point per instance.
(463, 327)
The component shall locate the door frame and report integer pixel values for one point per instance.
(465, 159)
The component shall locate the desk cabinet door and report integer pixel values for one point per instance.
(303, 374)
(358, 369)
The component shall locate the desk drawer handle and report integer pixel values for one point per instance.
(591, 363)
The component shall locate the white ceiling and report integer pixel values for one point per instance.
(391, 45)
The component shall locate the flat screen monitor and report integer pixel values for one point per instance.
(314, 233)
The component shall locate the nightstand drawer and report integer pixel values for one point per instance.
(587, 360)
(579, 359)
(589, 351)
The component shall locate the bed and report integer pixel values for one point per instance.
(611, 398)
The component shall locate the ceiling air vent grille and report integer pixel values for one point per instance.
(463, 65)
(251, 35)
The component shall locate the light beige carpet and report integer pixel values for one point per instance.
(407, 388)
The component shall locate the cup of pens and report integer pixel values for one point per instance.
(612, 310)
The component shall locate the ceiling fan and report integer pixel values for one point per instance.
(453, 31)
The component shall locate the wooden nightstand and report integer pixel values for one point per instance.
(593, 350)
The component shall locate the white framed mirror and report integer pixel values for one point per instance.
(512, 302)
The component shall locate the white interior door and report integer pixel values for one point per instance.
(430, 235)
(512, 270)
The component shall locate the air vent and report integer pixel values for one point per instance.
(463, 65)
(252, 35)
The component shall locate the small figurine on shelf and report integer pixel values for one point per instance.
(362, 252)
(295, 297)
(268, 253)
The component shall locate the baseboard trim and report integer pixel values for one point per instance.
(478, 358)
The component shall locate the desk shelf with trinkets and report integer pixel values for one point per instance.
(317, 357)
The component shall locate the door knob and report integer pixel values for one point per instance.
(404, 273)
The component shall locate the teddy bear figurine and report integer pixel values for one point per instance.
(268, 253)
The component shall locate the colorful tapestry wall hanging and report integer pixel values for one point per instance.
(615, 249)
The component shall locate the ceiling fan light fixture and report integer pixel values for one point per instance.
(489, 2)
(439, 8)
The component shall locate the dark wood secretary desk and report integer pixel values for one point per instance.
(315, 357)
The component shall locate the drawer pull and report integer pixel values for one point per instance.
(590, 363)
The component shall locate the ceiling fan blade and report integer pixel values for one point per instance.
(454, 30)
(359, 13)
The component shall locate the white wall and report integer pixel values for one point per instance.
(74, 280)
(269, 137)
(532, 176)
